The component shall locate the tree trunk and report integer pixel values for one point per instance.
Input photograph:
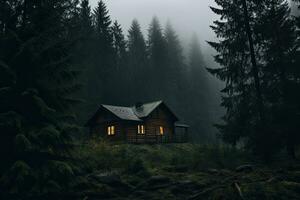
(255, 70)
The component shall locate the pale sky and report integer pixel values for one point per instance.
(186, 16)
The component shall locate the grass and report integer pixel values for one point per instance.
(127, 158)
(209, 171)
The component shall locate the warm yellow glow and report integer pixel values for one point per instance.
(111, 130)
(161, 130)
(141, 129)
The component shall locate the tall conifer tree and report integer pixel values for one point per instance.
(138, 66)
(36, 116)
(274, 42)
(103, 52)
(157, 58)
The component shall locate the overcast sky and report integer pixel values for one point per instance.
(187, 16)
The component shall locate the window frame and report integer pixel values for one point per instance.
(111, 130)
(141, 130)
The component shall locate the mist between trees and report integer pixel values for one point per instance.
(125, 68)
(59, 59)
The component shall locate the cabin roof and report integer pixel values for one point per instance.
(145, 109)
(126, 113)
(132, 113)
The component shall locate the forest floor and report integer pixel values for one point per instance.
(182, 171)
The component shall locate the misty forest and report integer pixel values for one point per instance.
(92, 109)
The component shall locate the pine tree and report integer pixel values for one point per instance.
(279, 50)
(157, 58)
(119, 45)
(136, 46)
(174, 61)
(198, 86)
(235, 70)
(119, 82)
(103, 54)
(102, 23)
(274, 42)
(85, 16)
(176, 84)
(37, 82)
(84, 59)
(138, 67)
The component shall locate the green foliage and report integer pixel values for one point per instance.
(37, 85)
(22, 144)
(60, 171)
(19, 178)
(262, 128)
(144, 159)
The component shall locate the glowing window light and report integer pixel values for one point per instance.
(141, 129)
(161, 130)
(111, 130)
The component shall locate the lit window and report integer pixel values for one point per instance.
(111, 130)
(141, 129)
(161, 130)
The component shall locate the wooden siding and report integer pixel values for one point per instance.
(103, 121)
(159, 117)
(127, 131)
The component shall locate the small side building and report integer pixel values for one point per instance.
(142, 123)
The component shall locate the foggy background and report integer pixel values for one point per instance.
(187, 17)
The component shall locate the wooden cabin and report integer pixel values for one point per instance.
(142, 123)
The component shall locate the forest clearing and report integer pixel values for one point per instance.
(152, 99)
(174, 171)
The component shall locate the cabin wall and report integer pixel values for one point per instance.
(127, 131)
(159, 117)
(102, 121)
(131, 130)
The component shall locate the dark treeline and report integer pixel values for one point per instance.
(262, 92)
(126, 68)
(59, 59)
(37, 82)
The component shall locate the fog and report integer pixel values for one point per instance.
(187, 16)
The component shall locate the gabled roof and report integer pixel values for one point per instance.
(126, 113)
(146, 109)
(132, 113)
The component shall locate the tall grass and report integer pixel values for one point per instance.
(100, 155)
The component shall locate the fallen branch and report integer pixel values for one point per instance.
(237, 187)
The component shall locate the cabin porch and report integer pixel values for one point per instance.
(180, 136)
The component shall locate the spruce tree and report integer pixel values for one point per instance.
(198, 86)
(103, 49)
(157, 58)
(84, 59)
(174, 62)
(275, 45)
(85, 19)
(279, 48)
(235, 70)
(37, 82)
(119, 45)
(119, 82)
(138, 66)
